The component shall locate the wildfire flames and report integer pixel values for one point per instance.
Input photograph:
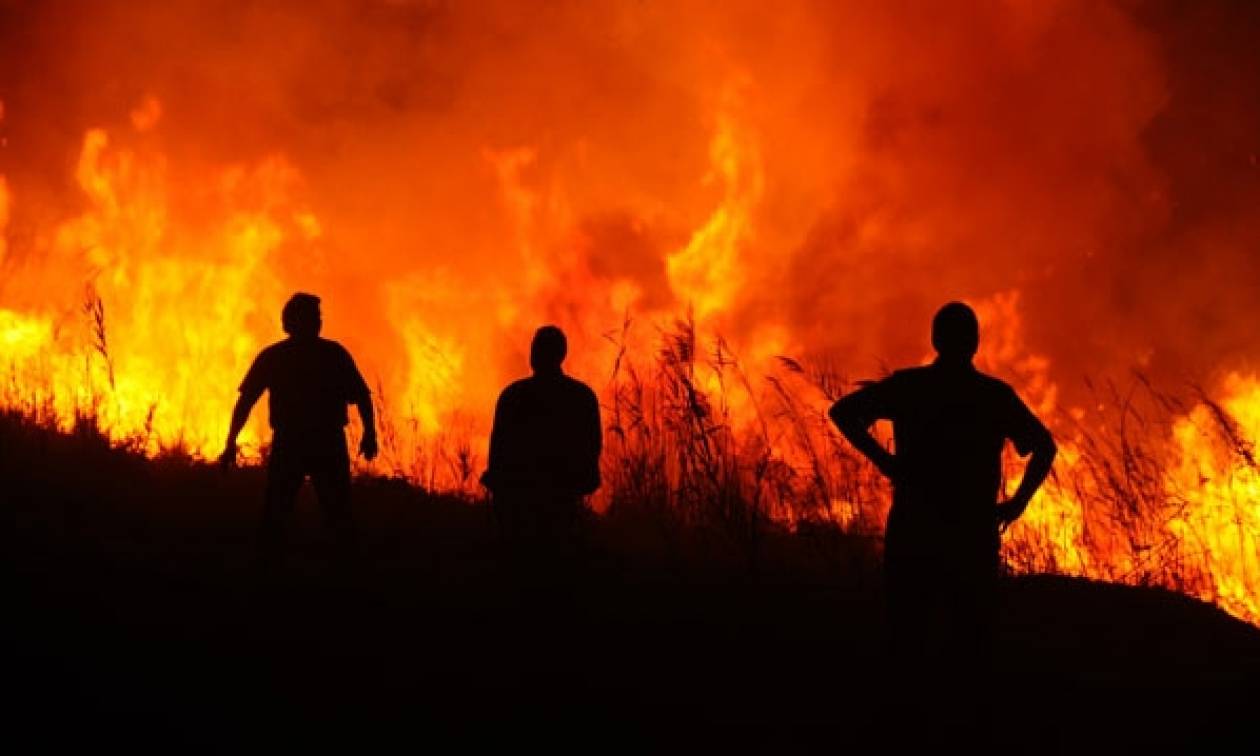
(765, 200)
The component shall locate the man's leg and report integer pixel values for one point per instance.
(330, 476)
(911, 589)
(967, 629)
(284, 479)
(975, 610)
(912, 608)
(555, 545)
(911, 679)
(507, 511)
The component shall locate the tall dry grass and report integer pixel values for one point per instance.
(697, 443)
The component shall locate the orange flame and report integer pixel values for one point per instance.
(808, 181)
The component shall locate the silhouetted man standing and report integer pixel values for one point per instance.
(950, 423)
(545, 444)
(310, 380)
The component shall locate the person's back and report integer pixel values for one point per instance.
(950, 424)
(546, 436)
(545, 442)
(310, 379)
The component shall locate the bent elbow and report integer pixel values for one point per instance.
(841, 413)
(848, 421)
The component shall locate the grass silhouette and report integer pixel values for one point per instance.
(724, 598)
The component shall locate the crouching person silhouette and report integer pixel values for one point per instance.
(950, 423)
(310, 381)
(544, 448)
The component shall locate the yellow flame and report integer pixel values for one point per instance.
(706, 273)
(154, 345)
(1219, 526)
(167, 319)
(22, 337)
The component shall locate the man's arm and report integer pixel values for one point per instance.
(1030, 437)
(368, 446)
(358, 394)
(495, 458)
(854, 414)
(1035, 473)
(593, 444)
(240, 413)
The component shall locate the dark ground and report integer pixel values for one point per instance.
(137, 621)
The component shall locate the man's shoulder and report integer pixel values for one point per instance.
(910, 376)
(332, 347)
(910, 373)
(330, 353)
(578, 388)
(994, 385)
(301, 351)
(270, 351)
(515, 389)
(1000, 397)
(524, 389)
(913, 378)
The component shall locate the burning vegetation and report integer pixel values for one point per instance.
(734, 211)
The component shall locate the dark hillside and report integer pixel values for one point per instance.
(138, 621)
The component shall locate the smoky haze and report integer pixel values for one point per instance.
(481, 167)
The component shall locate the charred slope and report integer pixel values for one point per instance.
(137, 618)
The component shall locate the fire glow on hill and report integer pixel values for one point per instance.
(808, 180)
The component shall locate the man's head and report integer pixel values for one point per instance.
(955, 332)
(301, 317)
(548, 349)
